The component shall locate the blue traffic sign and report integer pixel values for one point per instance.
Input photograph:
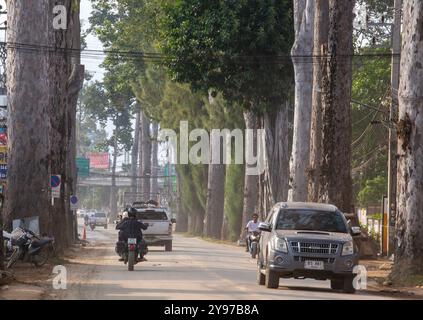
(74, 199)
(55, 181)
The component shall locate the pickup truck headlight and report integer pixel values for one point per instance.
(280, 245)
(348, 248)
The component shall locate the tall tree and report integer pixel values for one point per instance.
(29, 96)
(321, 30)
(409, 220)
(146, 156)
(154, 159)
(335, 180)
(303, 69)
(250, 69)
(134, 151)
(251, 182)
(216, 177)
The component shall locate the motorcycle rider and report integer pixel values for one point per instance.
(251, 226)
(130, 227)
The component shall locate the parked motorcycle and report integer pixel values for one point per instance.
(130, 251)
(26, 246)
(254, 238)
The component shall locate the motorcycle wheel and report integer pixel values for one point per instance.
(131, 260)
(41, 257)
(12, 259)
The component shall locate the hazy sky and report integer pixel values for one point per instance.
(91, 64)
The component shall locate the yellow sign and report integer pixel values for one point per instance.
(3, 154)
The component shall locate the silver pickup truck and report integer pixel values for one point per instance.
(307, 240)
(160, 226)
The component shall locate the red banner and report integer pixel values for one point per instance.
(99, 160)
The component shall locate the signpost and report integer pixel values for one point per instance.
(56, 181)
(73, 203)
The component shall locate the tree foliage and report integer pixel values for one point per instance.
(237, 47)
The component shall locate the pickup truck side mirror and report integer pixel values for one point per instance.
(173, 220)
(264, 226)
(355, 231)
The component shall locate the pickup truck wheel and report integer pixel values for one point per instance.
(271, 279)
(261, 278)
(337, 284)
(168, 246)
(348, 285)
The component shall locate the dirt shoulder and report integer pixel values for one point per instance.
(378, 271)
(31, 283)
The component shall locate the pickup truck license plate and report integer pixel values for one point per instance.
(314, 265)
(132, 241)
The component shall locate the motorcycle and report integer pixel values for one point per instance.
(130, 251)
(254, 238)
(26, 246)
(92, 226)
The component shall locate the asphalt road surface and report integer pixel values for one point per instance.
(196, 269)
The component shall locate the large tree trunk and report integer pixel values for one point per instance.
(215, 200)
(134, 152)
(215, 203)
(303, 69)
(182, 217)
(273, 186)
(321, 30)
(146, 156)
(154, 160)
(251, 182)
(277, 154)
(113, 189)
(75, 83)
(335, 180)
(409, 219)
(28, 190)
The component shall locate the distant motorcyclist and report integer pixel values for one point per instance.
(130, 227)
(86, 219)
(251, 226)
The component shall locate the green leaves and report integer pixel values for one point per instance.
(237, 47)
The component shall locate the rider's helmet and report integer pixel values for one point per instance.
(132, 212)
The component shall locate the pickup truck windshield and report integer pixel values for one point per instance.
(313, 220)
(152, 215)
(100, 215)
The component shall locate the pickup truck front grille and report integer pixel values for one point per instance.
(310, 247)
(303, 259)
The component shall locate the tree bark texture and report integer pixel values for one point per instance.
(409, 217)
(321, 30)
(134, 152)
(146, 156)
(251, 182)
(113, 188)
(154, 160)
(29, 97)
(335, 180)
(303, 69)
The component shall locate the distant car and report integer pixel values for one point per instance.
(101, 219)
(307, 240)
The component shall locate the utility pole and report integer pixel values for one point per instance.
(393, 114)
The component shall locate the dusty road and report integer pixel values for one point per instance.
(196, 269)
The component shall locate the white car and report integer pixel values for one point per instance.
(100, 219)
